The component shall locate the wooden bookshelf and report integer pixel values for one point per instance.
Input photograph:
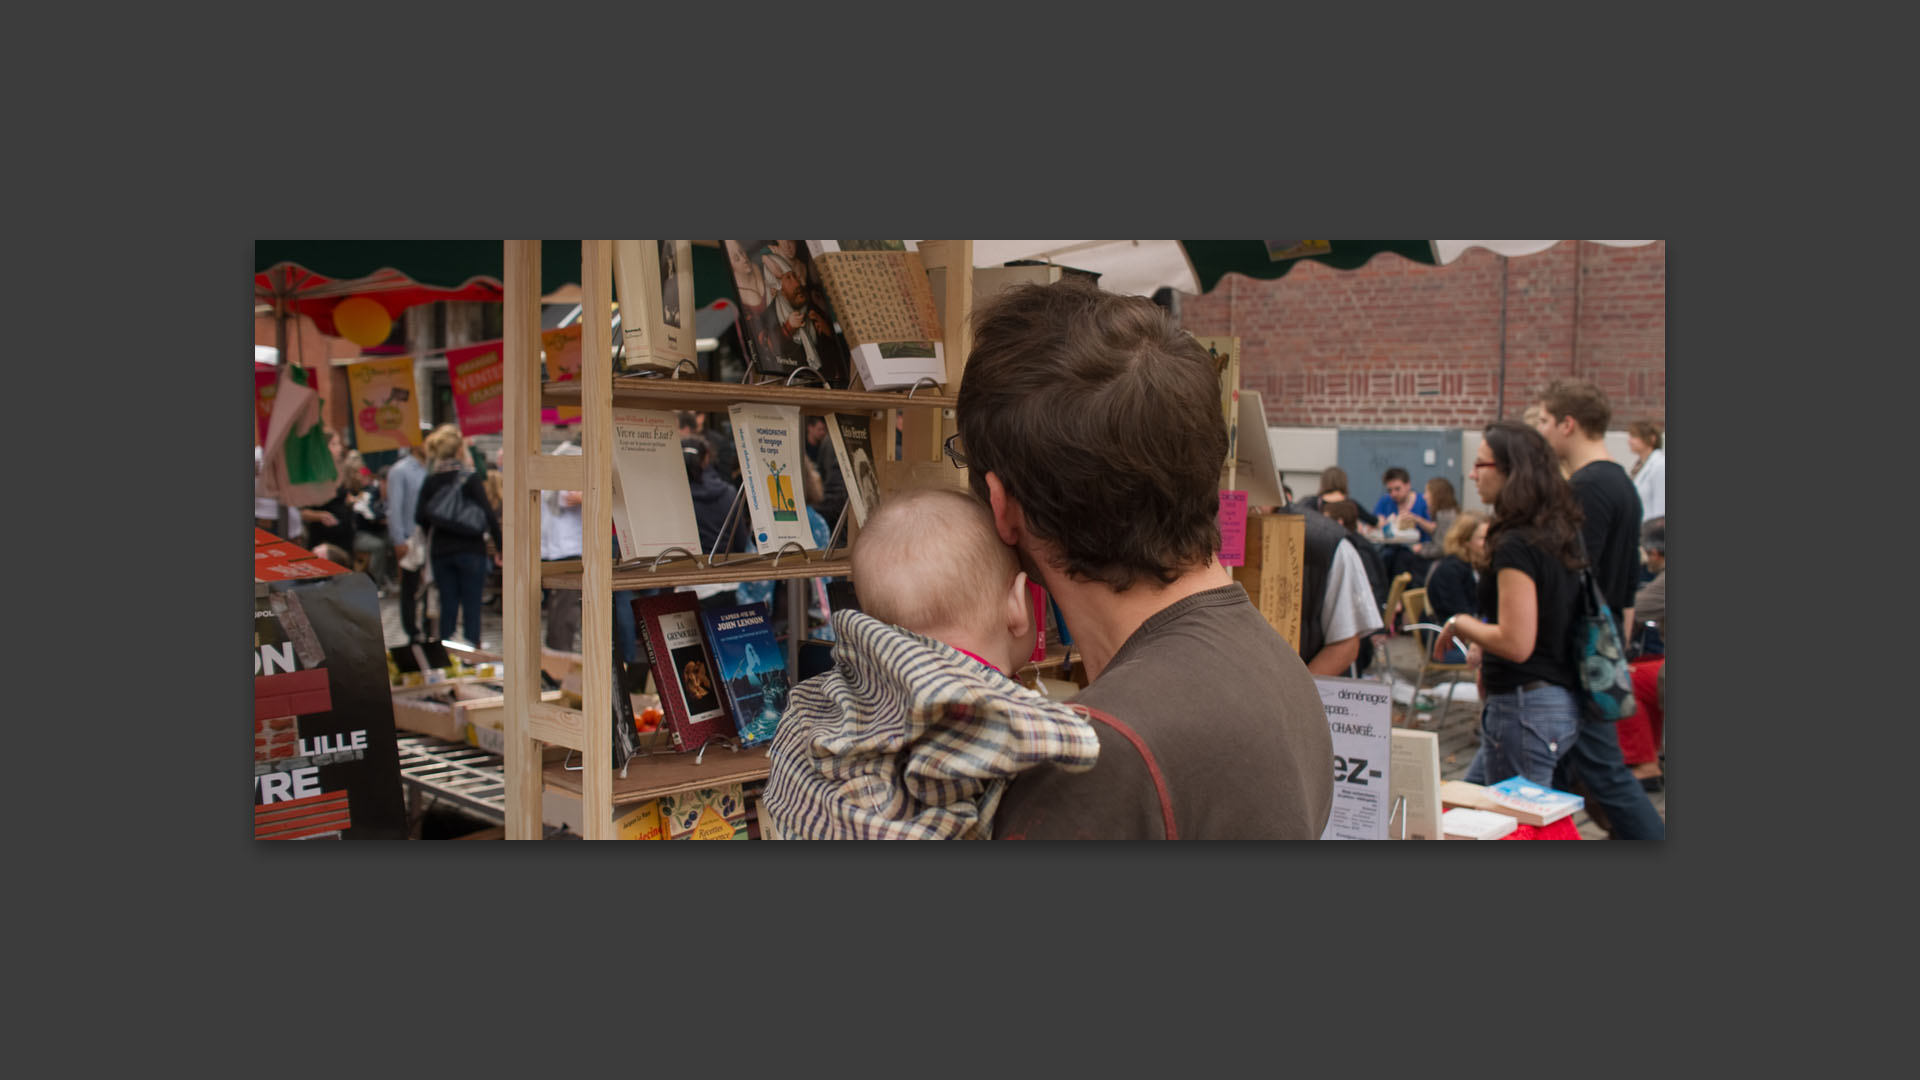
(570, 574)
(929, 418)
(652, 775)
(698, 395)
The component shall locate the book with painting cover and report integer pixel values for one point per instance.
(560, 350)
(715, 813)
(654, 280)
(753, 671)
(1535, 804)
(785, 321)
(652, 502)
(768, 440)
(683, 669)
(852, 438)
(885, 309)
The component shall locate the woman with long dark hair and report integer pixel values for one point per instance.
(1528, 600)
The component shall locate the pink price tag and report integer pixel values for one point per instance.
(1233, 528)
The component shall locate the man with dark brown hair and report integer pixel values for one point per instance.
(1574, 414)
(1091, 427)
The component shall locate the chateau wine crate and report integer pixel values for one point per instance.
(1275, 569)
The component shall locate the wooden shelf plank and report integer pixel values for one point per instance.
(701, 396)
(671, 575)
(660, 774)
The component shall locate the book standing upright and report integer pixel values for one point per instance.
(653, 504)
(655, 282)
(683, 669)
(885, 307)
(767, 438)
(852, 438)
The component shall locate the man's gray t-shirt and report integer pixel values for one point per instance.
(1216, 733)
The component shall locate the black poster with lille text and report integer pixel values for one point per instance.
(325, 762)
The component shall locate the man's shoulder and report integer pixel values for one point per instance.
(1605, 475)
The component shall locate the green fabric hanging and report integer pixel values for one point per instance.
(309, 457)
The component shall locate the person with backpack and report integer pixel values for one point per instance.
(457, 516)
(1528, 601)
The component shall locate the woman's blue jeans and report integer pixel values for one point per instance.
(461, 579)
(1525, 733)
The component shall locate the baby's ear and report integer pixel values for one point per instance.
(1019, 608)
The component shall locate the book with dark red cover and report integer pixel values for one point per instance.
(683, 669)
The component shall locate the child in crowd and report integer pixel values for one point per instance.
(918, 727)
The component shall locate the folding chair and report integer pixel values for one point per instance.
(1415, 601)
(1380, 658)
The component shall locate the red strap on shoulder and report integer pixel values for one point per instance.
(1153, 767)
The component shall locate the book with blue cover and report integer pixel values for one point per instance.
(1535, 804)
(752, 668)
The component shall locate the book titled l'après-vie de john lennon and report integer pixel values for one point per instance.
(752, 669)
(767, 438)
(683, 669)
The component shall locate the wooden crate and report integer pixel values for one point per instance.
(1275, 567)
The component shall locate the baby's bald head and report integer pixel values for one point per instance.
(930, 560)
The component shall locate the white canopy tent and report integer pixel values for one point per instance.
(1140, 267)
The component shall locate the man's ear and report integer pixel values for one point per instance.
(1007, 518)
(1019, 612)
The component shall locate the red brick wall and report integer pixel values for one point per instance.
(1400, 344)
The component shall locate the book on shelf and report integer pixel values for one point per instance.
(683, 669)
(715, 813)
(626, 734)
(638, 822)
(560, 349)
(1461, 823)
(885, 309)
(785, 320)
(1519, 796)
(655, 282)
(852, 438)
(652, 502)
(753, 671)
(768, 440)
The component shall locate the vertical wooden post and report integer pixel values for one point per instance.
(596, 539)
(520, 525)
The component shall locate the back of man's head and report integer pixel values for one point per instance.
(1102, 419)
(1586, 403)
(930, 560)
